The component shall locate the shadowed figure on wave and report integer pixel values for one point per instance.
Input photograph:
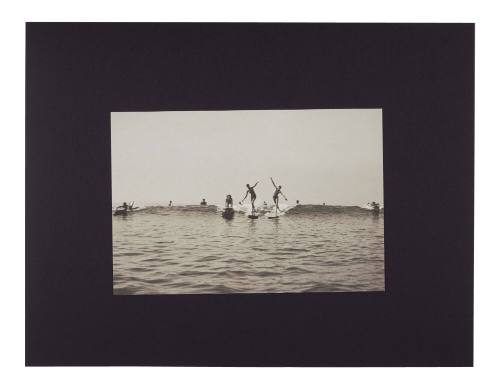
(253, 197)
(228, 212)
(125, 208)
(276, 194)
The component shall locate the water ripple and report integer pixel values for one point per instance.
(202, 253)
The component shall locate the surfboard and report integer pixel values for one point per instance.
(274, 214)
(253, 215)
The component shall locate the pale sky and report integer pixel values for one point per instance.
(331, 156)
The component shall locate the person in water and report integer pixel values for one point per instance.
(376, 207)
(298, 202)
(253, 196)
(170, 203)
(203, 202)
(229, 201)
(124, 207)
(276, 194)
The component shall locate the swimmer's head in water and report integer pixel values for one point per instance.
(248, 185)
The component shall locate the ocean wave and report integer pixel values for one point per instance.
(318, 209)
(180, 208)
(302, 209)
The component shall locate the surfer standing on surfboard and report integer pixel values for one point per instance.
(253, 196)
(276, 194)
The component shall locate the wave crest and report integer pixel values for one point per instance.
(302, 209)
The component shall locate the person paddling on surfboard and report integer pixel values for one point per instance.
(123, 207)
(127, 207)
(253, 196)
(276, 194)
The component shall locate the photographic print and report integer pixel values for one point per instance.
(215, 194)
(247, 201)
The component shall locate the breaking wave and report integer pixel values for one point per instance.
(302, 209)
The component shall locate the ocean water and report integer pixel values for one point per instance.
(193, 250)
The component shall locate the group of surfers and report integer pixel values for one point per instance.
(253, 196)
(250, 192)
(229, 200)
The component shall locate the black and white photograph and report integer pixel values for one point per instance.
(249, 194)
(251, 201)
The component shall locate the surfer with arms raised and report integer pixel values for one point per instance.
(253, 196)
(276, 194)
